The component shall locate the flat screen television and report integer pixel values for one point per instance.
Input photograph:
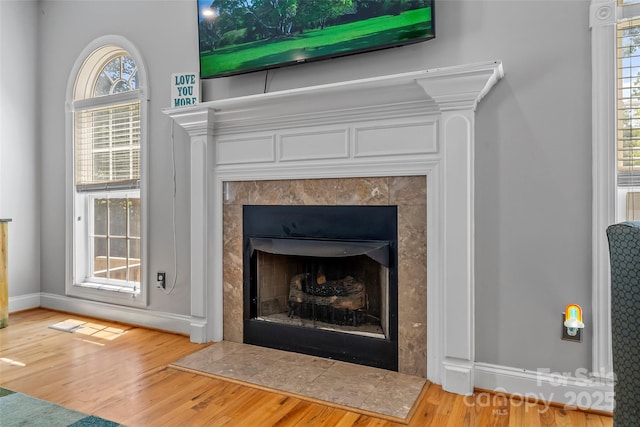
(242, 36)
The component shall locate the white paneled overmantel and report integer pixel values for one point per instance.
(418, 123)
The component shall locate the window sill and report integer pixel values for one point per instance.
(112, 288)
(111, 294)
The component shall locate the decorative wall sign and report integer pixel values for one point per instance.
(185, 89)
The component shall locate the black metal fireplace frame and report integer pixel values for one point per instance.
(338, 223)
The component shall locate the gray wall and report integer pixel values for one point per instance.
(533, 161)
(165, 35)
(19, 144)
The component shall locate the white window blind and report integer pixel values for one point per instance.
(107, 147)
(628, 119)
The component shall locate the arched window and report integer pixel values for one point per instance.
(107, 139)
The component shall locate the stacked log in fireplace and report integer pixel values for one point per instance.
(339, 302)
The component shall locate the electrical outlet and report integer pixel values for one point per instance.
(161, 279)
(566, 337)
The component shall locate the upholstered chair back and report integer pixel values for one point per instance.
(624, 250)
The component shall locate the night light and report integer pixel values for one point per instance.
(573, 319)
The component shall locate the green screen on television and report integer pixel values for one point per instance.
(241, 36)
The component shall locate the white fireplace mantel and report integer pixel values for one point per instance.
(418, 123)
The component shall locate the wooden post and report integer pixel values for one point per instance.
(4, 280)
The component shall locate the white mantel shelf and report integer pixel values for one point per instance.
(417, 123)
(451, 88)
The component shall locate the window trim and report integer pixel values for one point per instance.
(603, 18)
(107, 294)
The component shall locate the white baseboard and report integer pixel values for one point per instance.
(134, 316)
(544, 387)
(24, 302)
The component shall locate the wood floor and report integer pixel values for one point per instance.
(127, 380)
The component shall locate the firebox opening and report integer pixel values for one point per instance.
(322, 280)
(343, 294)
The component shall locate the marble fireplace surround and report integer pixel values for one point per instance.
(418, 124)
(408, 193)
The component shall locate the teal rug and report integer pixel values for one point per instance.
(17, 409)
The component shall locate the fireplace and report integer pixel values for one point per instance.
(322, 280)
(274, 147)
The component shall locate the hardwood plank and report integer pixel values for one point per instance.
(336, 417)
(516, 416)
(561, 418)
(127, 380)
(460, 413)
(531, 414)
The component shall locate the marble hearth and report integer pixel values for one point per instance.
(405, 139)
